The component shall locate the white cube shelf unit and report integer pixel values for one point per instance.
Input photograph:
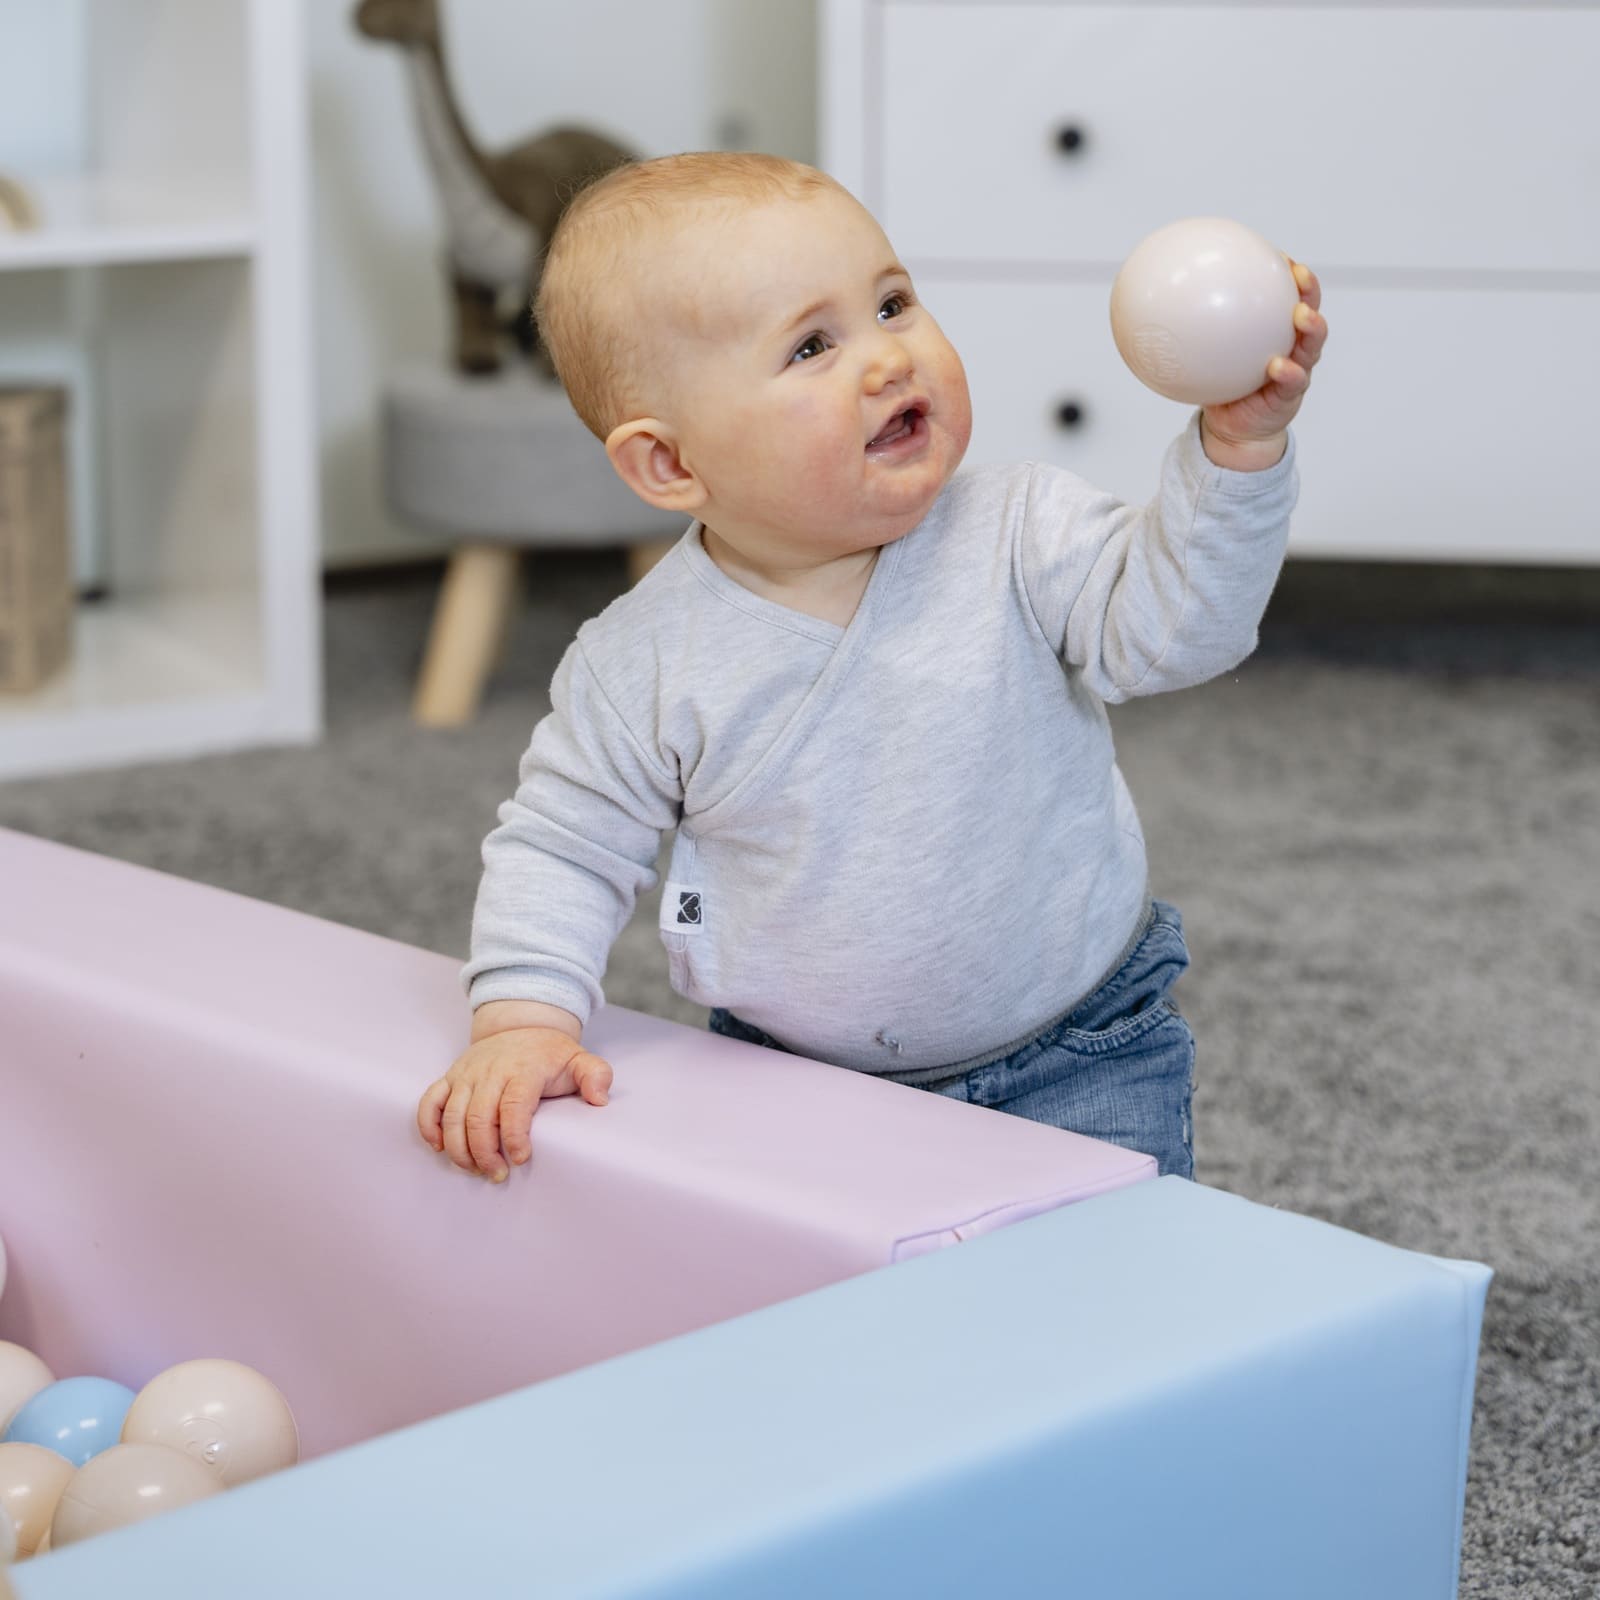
(167, 286)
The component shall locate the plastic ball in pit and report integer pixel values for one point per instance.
(126, 1484)
(32, 1480)
(22, 1376)
(221, 1413)
(1201, 307)
(79, 1417)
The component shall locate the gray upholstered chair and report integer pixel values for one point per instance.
(499, 463)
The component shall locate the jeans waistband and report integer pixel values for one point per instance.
(935, 1077)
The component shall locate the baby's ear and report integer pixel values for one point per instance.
(646, 459)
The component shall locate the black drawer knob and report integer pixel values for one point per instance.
(1071, 138)
(1070, 414)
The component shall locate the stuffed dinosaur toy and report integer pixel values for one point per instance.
(499, 207)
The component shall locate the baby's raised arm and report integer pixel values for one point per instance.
(1143, 599)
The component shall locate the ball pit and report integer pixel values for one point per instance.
(724, 1327)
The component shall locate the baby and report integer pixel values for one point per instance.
(867, 689)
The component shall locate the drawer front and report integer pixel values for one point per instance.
(1409, 448)
(1402, 138)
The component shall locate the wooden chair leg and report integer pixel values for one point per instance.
(468, 626)
(644, 555)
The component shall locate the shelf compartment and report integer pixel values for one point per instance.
(150, 677)
(103, 221)
(168, 289)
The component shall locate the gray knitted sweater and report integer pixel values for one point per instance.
(900, 844)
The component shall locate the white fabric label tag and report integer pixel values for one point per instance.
(683, 909)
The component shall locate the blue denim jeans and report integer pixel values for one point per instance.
(1119, 1066)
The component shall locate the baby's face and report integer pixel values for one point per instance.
(816, 398)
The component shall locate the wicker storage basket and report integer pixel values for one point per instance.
(35, 549)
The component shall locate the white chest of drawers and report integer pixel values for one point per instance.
(1438, 165)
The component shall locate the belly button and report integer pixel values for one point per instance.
(887, 1040)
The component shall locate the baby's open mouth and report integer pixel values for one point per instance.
(900, 426)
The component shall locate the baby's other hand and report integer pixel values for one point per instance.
(1266, 413)
(481, 1111)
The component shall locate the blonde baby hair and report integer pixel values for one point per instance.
(590, 285)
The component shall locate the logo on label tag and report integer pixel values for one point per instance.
(682, 910)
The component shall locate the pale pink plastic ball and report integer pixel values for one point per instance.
(22, 1376)
(1199, 309)
(221, 1413)
(124, 1484)
(32, 1480)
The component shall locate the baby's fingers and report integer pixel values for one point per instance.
(465, 1132)
(1307, 282)
(518, 1103)
(483, 1130)
(1288, 377)
(430, 1112)
(1311, 333)
(591, 1075)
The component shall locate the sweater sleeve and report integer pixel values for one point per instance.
(1142, 599)
(575, 847)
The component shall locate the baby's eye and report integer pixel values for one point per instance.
(816, 344)
(901, 303)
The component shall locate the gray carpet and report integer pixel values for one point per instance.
(1384, 832)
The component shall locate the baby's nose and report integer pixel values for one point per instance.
(890, 363)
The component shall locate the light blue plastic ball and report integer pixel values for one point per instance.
(77, 1417)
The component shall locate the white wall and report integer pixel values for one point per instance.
(658, 75)
(42, 125)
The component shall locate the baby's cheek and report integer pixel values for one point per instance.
(957, 406)
(814, 434)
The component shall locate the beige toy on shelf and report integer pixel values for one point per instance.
(18, 209)
(499, 207)
(36, 577)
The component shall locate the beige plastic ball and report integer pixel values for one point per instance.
(221, 1413)
(1201, 307)
(8, 1537)
(22, 1376)
(32, 1480)
(124, 1484)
